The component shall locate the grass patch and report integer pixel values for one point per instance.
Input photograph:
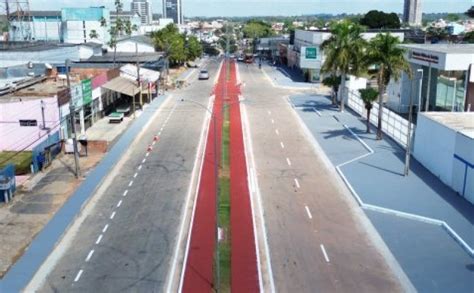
(224, 247)
(21, 161)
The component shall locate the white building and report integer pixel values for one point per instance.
(143, 8)
(412, 13)
(41, 26)
(79, 23)
(307, 49)
(143, 44)
(133, 17)
(447, 84)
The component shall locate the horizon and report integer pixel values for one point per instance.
(276, 8)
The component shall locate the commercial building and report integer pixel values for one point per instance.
(133, 17)
(173, 9)
(143, 8)
(270, 47)
(412, 13)
(78, 23)
(306, 54)
(445, 72)
(42, 26)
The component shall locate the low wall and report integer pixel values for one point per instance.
(393, 124)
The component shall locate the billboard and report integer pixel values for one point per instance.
(309, 58)
(86, 91)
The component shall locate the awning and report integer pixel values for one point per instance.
(122, 85)
(146, 75)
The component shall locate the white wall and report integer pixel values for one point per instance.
(74, 32)
(129, 46)
(434, 147)
(463, 176)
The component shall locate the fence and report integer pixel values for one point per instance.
(45, 152)
(7, 174)
(393, 124)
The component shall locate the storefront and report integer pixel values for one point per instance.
(444, 72)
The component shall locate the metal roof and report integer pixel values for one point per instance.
(443, 48)
(122, 85)
(125, 57)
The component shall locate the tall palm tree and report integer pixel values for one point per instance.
(344, 51)
(384, 52)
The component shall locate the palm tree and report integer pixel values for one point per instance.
(369, 96)
(384, 52)
(344, 51)
(333, 82)
(93, 34)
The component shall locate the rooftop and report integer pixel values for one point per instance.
(139, 39)
(40, 88)
(459, 121)
(37, 13)
(125, 57)
(33, 46)
(443, 48)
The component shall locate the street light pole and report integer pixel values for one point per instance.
(72, 114)
(410, 119)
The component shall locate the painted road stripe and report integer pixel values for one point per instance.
(99, 239)
(135, 175)
(143, 161)
(308, 212)
(297, 183)
(282, 145)
(277, 132)
(324, 253)
(105, 228)
(78, 276)
(125, 192)
(89, 255)
(273, 121)
(288, 161)
(153, 143)
(112, 215)
(269, 112)
(140, 167)
(147, 154)
(131, 183)
(119, 203)
(161, 129)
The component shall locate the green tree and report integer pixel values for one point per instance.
(437, 33)
(375, 19)
(469, 37)
(232, 43)
(333, 82)
(452, 17)
(194, 48)
(93, 34)
(369, 96)
(470, 12)
(344, 51)
(170, 41)
(257, 29)
(384, 52)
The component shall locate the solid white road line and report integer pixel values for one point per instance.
(324, 253)
(119, 203)
(308, 212)
(105, 228)
(143, 161)
(112, 215)
(131, 183)
(288, 161)
(135, 175)
(282, 145)
(277, 132)
(78, 276)
(125, 192)
(99, 239)
(297, 183)
(89, 255)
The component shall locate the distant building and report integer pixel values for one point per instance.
(143, 8)
(173, 9)
(43, 26)
(412, 13)
(133, 17)
(78, 23)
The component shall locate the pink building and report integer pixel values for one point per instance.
(27, 121)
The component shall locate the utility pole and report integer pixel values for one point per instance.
(72, 114)
(410, 119)
(138, 81)
(42, 114)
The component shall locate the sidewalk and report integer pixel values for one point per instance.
(420, 194)
(283, 77)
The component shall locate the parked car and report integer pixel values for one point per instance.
(203, 74)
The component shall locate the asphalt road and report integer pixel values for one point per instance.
(318, 237)
(127, 241)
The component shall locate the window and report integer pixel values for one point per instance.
(28, 123)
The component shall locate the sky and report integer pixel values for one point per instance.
(269, 7)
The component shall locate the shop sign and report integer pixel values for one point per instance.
(76, 95)
(426, 57)
(86, 91)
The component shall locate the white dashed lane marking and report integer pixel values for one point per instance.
(89, 255)
(326, 257)
(105, 228)
(282, 145)
(119, 203)
(277, 132)
(135, 175)
(125, 192)
(308, 212)
(112, 215)
(297, 183)
(143, 161)
(78, 276)
(130, 184)
(99, 239)
(288, 161)
(273, 121)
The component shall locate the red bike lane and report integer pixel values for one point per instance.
(243, 255)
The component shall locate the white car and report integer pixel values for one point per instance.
(203, 74)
